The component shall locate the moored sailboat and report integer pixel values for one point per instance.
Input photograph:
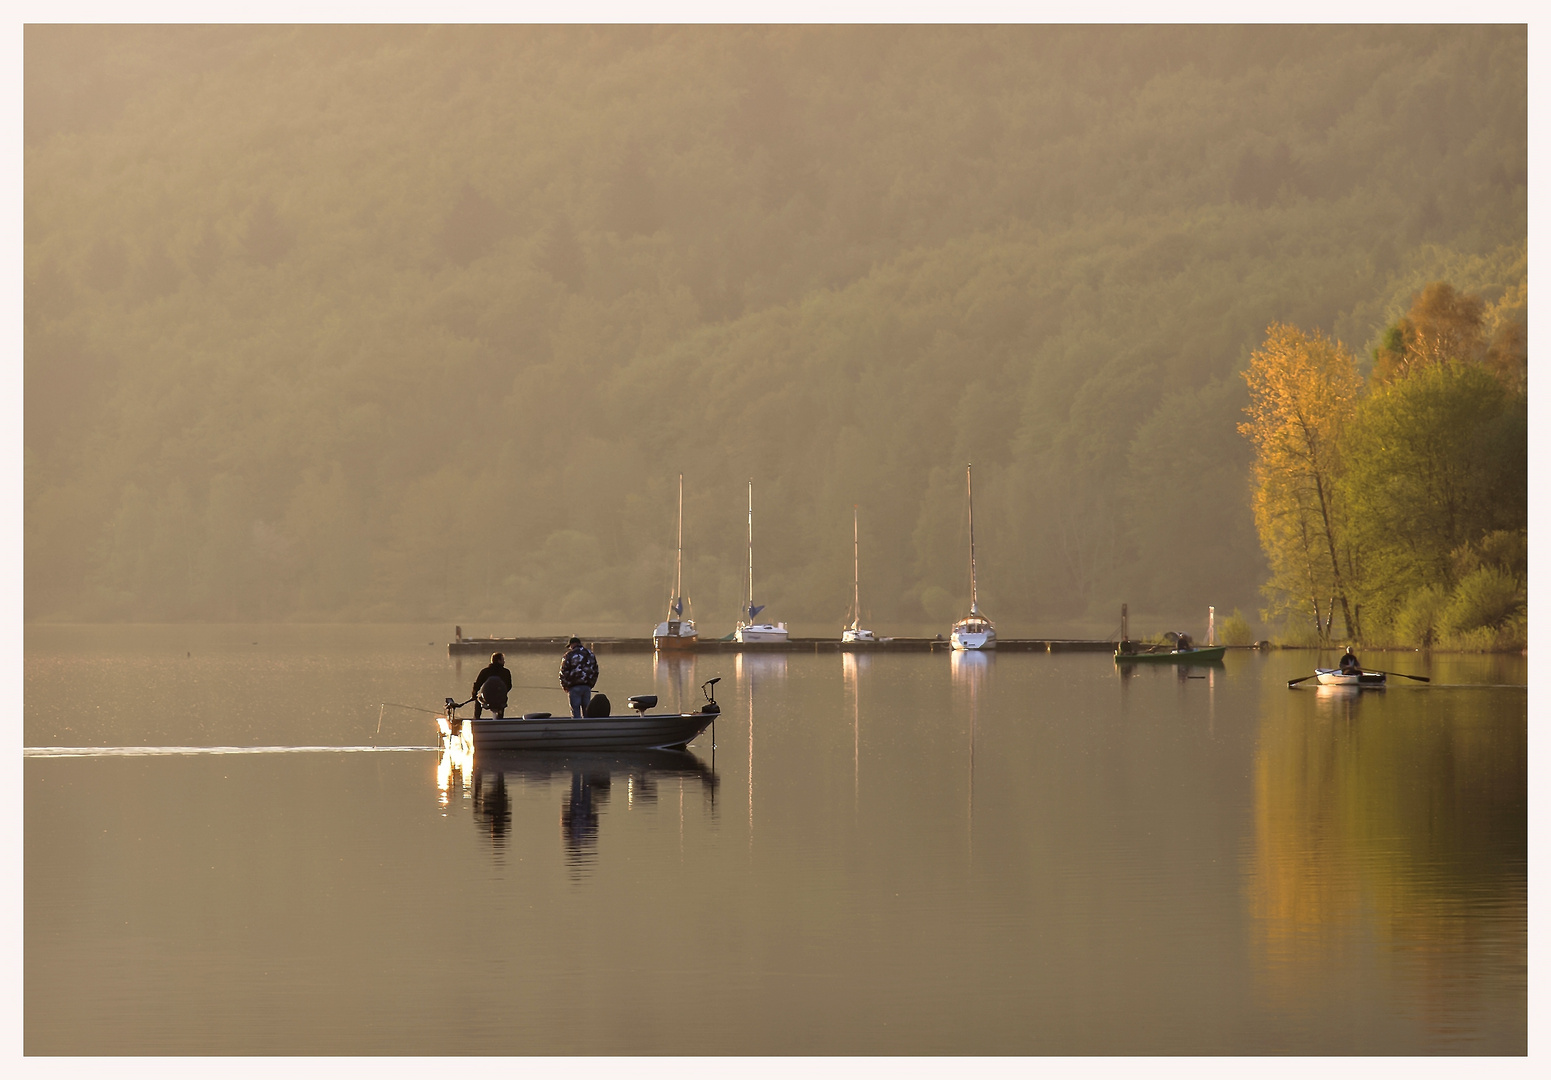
(973, 631)
(677, 632)
(748, 631)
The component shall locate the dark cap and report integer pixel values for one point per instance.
(497, 658)
(576, 641)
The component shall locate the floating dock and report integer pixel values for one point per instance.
(557, 645)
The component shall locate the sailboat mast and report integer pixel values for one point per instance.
(750, 603)
(678, 571)
(974, 599)
(856, 558)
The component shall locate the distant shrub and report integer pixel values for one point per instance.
(1236, 630)
(1417, 622)
(1298, 634)
(1484, 600)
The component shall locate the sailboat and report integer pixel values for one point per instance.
(973, 631)
(748, 630)
(855, 634)
(677, 633)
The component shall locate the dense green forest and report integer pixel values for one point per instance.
(425, 322)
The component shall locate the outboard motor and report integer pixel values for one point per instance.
(708, 688)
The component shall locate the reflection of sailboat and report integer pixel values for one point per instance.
(974, 631)
(748, 630)
(678, 671)
(677, 632)
(853, 667)
(855, 634)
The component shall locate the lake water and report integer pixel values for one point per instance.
(913, 854)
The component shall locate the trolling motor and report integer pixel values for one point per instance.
(708, 689)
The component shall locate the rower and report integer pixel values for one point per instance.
(1349, 663)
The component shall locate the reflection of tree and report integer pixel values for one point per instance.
(1383, 826)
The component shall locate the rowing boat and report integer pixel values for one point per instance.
(1368, 680)
(1207, 654)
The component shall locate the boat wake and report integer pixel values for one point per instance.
(181, 751)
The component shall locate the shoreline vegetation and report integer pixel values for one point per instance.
(1393, 510)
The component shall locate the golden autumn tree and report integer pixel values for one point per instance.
(1302, 390)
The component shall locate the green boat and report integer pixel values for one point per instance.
(1164, 655)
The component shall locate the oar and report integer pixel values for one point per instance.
(1306, 678)
(1403, 675)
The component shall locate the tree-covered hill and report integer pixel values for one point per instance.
(401, 322)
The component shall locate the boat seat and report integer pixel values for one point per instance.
(642, 702)
(536, 715)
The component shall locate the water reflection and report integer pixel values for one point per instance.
(853, 669)
(754, 670)
(1390, 830)
(487, 780)
(970, 671)
(677, 674)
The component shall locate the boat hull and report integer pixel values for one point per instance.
(675, 636)
(968, 642)
(1205, 655)
(650, 731)
(859, 637)
(760, 632)
(1366, 680)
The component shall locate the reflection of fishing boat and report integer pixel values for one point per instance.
(1368, 680)
(974, 631)
(748, 631)
(541, 731)
(677, 632)
(856, 634)
(1159, 654)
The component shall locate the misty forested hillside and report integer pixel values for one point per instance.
(424, 323)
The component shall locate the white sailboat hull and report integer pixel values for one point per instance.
(758, 632)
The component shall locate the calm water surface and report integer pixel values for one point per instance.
(1010, 854)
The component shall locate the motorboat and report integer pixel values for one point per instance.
(748, 631)
(855, 633)
(676, 632)
(975, 630)
(540, 731)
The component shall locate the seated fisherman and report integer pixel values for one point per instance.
(491, 687)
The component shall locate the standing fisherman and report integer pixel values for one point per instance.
(578, 675)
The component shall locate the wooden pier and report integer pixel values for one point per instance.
(557, 645)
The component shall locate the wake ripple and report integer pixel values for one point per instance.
(181, 751)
